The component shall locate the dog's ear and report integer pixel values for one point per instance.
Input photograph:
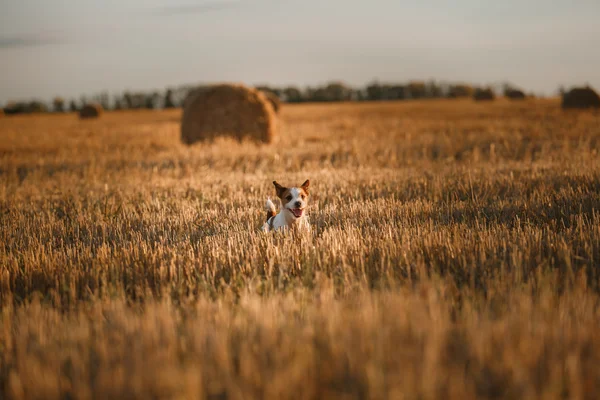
(280, 189)
(305, 185)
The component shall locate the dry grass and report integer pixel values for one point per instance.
(455, 254)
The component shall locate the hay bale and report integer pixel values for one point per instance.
(584, 97)
(273, 99)
(515, 94)
(228, 110)
(193, 93)
(92, 110)
(486, 94)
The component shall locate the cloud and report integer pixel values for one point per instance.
(29, 40)
(195, 8)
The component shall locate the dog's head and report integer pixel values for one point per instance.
(295, 199)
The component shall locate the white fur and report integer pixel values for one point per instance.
(270, 206)
(285, 218)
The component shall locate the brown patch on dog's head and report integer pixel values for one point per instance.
(281, 190)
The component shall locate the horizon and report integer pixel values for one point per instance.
(73, 49)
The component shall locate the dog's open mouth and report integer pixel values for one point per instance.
(297, 212)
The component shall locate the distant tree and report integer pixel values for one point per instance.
(315, 94)
(103, 99)
(151, 100)
(460, 90)
(484, 94)
(36, 106)
(13, 107)
(374, 91)
(394, 92)
(148, 102)
(417, 89)
(513, 93)
(128, 98)
(139, 100)
(58, 104)
(337, 91)
(433, 90)
(134, 100)
(169, 102)
(118, 104)
(292, 94)
(358, 95)
(73, 106)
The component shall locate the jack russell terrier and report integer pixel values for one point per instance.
(294, 201)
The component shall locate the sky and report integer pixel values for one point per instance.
(71, 48)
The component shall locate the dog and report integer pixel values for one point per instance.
(292, 215)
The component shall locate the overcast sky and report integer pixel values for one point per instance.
(75, 47)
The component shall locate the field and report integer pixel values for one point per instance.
(455, 254)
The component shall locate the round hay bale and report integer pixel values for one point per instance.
(584, 97)
(274, 100)
(92, 110)
(515, 94)
(191, 95)
(486, 94)
(228, 110)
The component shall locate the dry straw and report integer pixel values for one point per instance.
(228, 110)
(93, 110)
(453, 255)
(192, 94)
(584, 97)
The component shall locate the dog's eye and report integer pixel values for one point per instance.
(289, 198)
(302, 196)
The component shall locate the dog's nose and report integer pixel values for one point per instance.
(298, 204)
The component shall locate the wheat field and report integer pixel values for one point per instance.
(454, 254)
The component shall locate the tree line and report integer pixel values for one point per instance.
(330, 92)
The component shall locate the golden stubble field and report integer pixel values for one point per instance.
(455, 253)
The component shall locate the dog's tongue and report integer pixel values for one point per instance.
(297, 212)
